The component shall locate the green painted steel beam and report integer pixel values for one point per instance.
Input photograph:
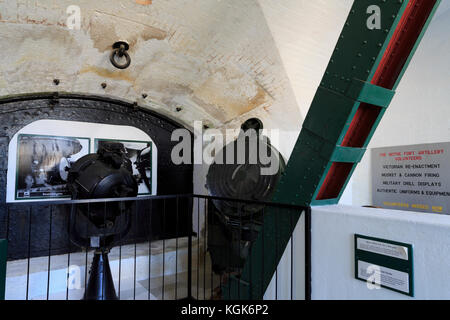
(366, 92)
(344, 87)
(345, 154)
(3, 257)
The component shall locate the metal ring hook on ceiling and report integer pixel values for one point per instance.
(120, 49)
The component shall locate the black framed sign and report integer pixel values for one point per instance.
(386, 263)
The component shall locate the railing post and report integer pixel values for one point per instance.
(189, 280)
(308, 288)
(3, 257)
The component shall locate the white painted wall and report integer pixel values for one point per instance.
(333, 228)
(420, 110)
(281, 283)
(419, 113)
(305, 33)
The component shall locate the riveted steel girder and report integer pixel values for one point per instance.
(359, 82)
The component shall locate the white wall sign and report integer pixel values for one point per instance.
(414, 178)
(384, 248)
(387, 277)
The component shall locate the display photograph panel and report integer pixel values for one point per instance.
(43, 163)
(140, 155)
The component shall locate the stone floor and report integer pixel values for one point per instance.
(164, 271)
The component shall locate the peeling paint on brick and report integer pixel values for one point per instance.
(215, 59)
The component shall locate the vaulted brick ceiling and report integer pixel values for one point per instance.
(220, 61)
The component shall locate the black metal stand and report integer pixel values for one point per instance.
(100, 285)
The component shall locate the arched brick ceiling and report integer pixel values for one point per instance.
(212, 60)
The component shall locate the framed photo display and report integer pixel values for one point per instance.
(140, 155)
(42, 163)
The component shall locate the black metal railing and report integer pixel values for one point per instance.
(159, 247)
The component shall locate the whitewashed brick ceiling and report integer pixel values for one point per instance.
(220, 61)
